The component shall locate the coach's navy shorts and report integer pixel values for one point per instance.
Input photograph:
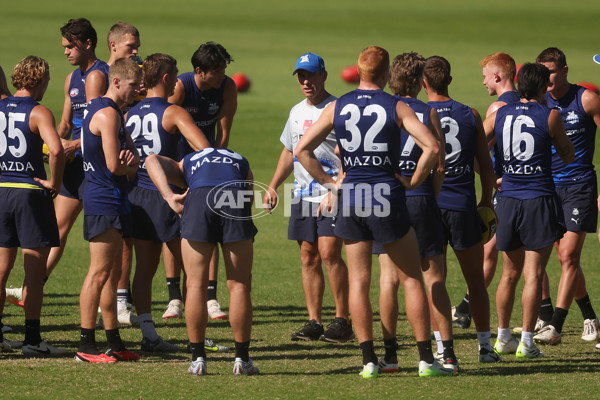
(73, 179)
(532, 223)
(27, 219)
(463, 229)
(362, 225)
(204, 221)
(94, 225)
(152, 217)
(425, 217)
(306, 226)
(579, 204)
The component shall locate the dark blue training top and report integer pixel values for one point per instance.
(214, 167)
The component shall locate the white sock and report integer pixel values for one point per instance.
(504, 334)
(122, 299)
(527, 338)
(438, 341)
(147, 327)
(484, 340)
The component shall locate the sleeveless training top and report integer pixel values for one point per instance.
(144, 123)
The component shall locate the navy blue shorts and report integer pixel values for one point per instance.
(384, 229)
(463, 229)
(94, 225)
(73, 178)
(27, 219)
(306, 226)
(532, 223)
(202, 221)
(152, 217)
(579, 204)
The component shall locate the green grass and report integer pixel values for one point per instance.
(265, 38)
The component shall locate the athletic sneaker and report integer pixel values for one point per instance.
(597, 346)
(312, 330)
(451, 363)
(434, 369)
(508, 347)
(123, 355)
(42, 349)
(244, 368)
(14, 344)
(174, 309)
(590, 330)
(438, 356)
(94, 358)
(15, 296)
(126, 317)
(339, 331)
(525, 351)
(369, 371)
(159, 345)
(547, 335)
(461, 320)
(198, 367)
(388, 366)
(488, 356)
(101, 323)
(209, 345)
(6, 328)
(214, 310)
(539, 324)
(5, 346)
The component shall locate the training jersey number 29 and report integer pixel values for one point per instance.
(148, 127)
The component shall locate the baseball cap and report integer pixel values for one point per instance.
(597, 58)
(310, 62)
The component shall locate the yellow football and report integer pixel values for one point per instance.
(488, 216)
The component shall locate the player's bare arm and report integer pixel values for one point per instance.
(66, 120)
(226, 114)
(163, 170)
(591, 105)
(285, 166)
(95, 85)
(106, 124)
(488, 128)
(435, 126)
(495, 106)
(423, 137)
(313, 137)
(41, 121)
(560, 140)
(486, 169)
(176, 119)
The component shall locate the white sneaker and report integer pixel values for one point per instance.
(525, 351)
(370, 370)
(126, 317)
(539, 324)
(174, 309)
(43, 349)
(547, 335)
(508, 347)
(244, 368)
(214, 310)
(488, 356)
(11, 344)
(590, 330)
(198, 367)
(15, 293)
(101, 323)
(435, 369)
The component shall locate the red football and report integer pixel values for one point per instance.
(350, 74)
(242, 82)
(590, 86)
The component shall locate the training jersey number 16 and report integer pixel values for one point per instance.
(355, 135)
(12, 133)
(515, 141)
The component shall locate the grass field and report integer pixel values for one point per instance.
(265, 38)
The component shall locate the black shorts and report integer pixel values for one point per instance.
(27, 219)
(94, 225)
(463, 229)
(152, 217)
(532, 223)
(73, 179)
(580, 208)
(426, 219)
(201, 222)
(306, 226)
